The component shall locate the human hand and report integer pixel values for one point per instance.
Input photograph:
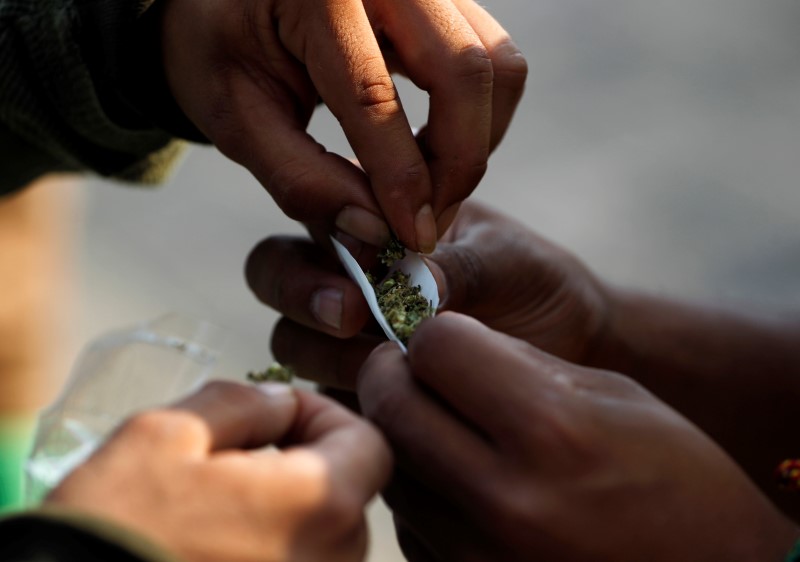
(249, 74)
(188, 478)
(507, 453)
(487, 266)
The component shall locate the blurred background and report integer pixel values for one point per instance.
(660, 141)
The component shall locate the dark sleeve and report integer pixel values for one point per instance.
(61, 536)
(81, 88)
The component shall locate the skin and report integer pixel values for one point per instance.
(486, 266)
(732, 372)
(577, 465)
(191, 477)
(249, 74)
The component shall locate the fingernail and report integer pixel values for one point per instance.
(364, 225)
(447, 218)
(275, 389)
(326, 305)
(425, 225)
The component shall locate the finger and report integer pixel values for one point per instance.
(459, 271)
(508, 65)
(497, 382)
(467, 259)
(345, 63)
(321, 358)
(221, 415)
(301, 281)
(356, 455)
(365, 254)
(307, 182)
(431, 527)
(346, 398)
(243, 416)
(413, 547)
(427, 438)
(443, 55)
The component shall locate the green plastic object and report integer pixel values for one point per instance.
(16, 436)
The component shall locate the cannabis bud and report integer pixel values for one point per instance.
(403, 305)
(394, 251)
(274, 373)
(399, 299)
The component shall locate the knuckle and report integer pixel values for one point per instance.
(288, 185)
(376, 92)
(576, 438)
(464, 173)
(474, 65)
(510, 503)
(157, 425)
(404, 180)
(510, 66)
(472, 171)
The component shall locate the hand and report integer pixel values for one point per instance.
(249, 73)
(497, 271)
(507, 453)
(188, 477)
(487, 266)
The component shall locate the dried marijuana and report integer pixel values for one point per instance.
(394, 251)
(274, 373)
(403, 305)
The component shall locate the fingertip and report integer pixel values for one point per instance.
(384, 358)
(277, 391)
(363, 225)
(441, 337)
(339, 311)
(425, 229)
(327, 306)
(253, 265)
(386, 351)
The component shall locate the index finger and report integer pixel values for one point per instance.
(347, 68)
(442, 54)
(240, 416)
(222, 415)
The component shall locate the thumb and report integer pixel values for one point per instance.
(459, 271)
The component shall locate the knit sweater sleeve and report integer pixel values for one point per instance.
(81, 89)
(59, 535)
